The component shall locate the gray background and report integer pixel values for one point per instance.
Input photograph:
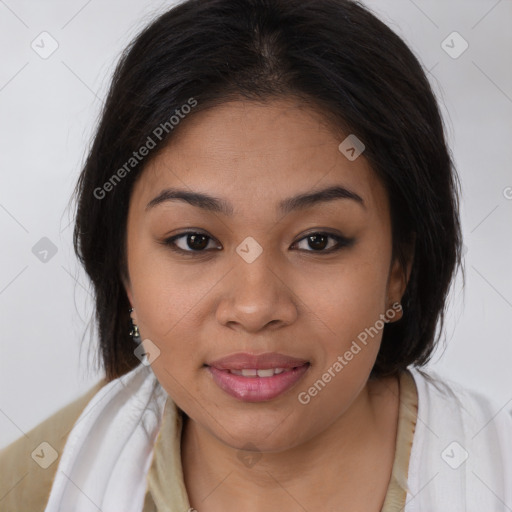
(48, 110)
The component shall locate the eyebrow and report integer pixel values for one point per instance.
(218, 205)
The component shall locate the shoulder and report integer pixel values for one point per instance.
(462, 447)
(32, 459)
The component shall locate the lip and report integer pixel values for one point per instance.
(257, 389)
(244, 361)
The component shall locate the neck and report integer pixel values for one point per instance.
(350, 462)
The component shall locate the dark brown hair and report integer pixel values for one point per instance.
(333, 54)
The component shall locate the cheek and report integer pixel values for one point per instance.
(166, 291)
(347, 298)
(350, 311)
(164, 299)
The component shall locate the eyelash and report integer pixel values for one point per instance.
(342, 242)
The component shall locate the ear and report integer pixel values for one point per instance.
(399, 276)
(127, 287)
(128, 290)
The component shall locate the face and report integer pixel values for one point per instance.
(255, 273)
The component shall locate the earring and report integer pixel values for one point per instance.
(134, 331)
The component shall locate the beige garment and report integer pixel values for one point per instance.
(24, 484)
(166, 488)
(407, 416)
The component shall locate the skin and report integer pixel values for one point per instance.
(337, 450)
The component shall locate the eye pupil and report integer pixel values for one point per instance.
(318, 241)
(192, 239)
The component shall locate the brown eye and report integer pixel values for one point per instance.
(194, 242)
(197, 242)
(319, 242)
(189, 242)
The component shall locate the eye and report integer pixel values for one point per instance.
(195, 242)
(319, 241)
(190, 242)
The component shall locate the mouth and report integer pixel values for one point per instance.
(253, 372)
(257, 378)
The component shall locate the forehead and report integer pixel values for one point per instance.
(254, 153)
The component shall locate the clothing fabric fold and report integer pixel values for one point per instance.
(109, 450)
(461, 457)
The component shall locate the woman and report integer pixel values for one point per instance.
(270, 209)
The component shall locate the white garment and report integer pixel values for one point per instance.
(454, 423)
(109, 450)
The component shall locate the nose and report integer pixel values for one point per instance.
(256, 296)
